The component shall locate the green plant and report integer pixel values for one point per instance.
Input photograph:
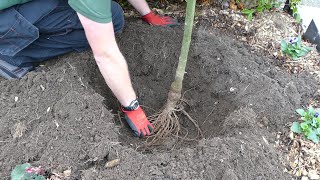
(293, 48)
(249, 13)
(27, 172)
(262, 5)
(310, 126)
(294, 8)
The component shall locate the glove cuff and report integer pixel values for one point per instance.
(147, 16)
(134, 105)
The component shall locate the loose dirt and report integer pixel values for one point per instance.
(67, 118)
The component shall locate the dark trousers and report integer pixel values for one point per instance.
(39, 30)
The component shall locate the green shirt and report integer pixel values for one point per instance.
(96, 10)
(8, 3)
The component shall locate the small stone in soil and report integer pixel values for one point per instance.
(112, 163)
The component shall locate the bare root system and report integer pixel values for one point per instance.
(167, 121)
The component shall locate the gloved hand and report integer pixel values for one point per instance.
(158, 20)
(138, 122)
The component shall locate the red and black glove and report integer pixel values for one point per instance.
(137, 120)
(158, 20)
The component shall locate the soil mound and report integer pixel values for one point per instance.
(61, 120)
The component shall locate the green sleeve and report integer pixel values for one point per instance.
(8, 3)
(96, 10)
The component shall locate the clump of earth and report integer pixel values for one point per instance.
(67, 118)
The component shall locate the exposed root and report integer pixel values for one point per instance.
(194, 123)
(167, 121)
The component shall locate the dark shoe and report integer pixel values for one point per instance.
(9, 71)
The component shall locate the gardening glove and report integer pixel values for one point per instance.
(158, 20)
(137, 119)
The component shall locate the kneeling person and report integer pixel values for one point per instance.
(33, 31)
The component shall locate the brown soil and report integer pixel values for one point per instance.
(62, 119)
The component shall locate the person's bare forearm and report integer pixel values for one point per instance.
(114, 69)
(110, 61)
(141, 6)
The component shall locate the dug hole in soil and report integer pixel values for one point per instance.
(66, 118)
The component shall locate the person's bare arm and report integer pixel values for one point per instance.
(110, 61)
(141, 6)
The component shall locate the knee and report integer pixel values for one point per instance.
(117, 17)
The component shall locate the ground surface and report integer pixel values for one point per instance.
(66, 118)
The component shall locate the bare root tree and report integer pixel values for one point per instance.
(166, 122)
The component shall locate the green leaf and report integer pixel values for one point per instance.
(301, 54)
(38, 177)
(27, 176)
(33, 177)
(19, 171)
(311, 110)
(260, 8)
(284, 45)
(260, 3)
(291, 48)
(295, 10)
(299, 39)
(268, 6)
(286, 51)
(296, 127)
(277, 5)
(295, 58)
(301, 112)
(248, 11)
(307, 48)
(250, 17)
(298, 17)
(314, 137)
(304, 126)
(307, 132)
(314, 122)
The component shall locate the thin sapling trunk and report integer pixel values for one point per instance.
(166, 122)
